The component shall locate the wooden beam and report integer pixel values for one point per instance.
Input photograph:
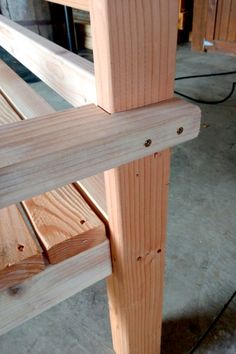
(68, 74)
(51, 151)
(199, 24)
(134, 58)
(64, 223)
(55, 284)
(62, 220)
(136, 67)
(29, 104)
(20, 255)
(76, 4)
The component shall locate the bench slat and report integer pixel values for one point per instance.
(20, 256)
(63, 221)
(29, 104)
(70, 75)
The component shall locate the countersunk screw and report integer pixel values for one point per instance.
(180, 130)
(148, 143)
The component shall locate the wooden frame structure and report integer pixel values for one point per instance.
(214, 26)
(126, 130)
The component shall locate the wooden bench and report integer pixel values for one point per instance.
(64, 223)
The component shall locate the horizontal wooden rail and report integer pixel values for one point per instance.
(55, 284)
(48, 152)
(29, 104)
(76, 4)
(69, 75)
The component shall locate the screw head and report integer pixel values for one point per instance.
(148, 143)
(180, 130)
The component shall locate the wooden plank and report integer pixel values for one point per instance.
(134, 53)
(20, 256)
(68, 74)
(62, 219)
(76, 4)
(223, 19)
(211, 19)
(222, 46)
(21, 96)
(93, 190)
(123, 81)
(29, 105)
(57, 283)
(64, 223)
(42, 154)
(199, 24)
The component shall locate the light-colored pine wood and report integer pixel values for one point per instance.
(134, 51)
(137, 67)
(62, 219)
(64, 223)
(93, 190)
(20, 257)
(42, 154)
(29, 105)
(22, 97)
(68, 74)
(57, 283)
(76, 4)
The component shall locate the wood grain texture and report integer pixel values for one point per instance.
(51, 151)
(57, 283)
(211, 19)
(93, 189)
(136, 66)
(199, 24)
(134, 51)
(226, 21)
(76, 4)
(70, 75)
(64, 223)
(29, 105)
(62, 220)
(22, 97)
(20, 257)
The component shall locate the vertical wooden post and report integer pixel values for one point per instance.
(134, 52)
(199, 24)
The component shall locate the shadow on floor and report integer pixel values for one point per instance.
(180, 335)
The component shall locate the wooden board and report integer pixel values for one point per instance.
(20, 256)
(134, 53)
(57, 283)
(70, 75)
(51, 151)
(62, 220)
(199, 24)
(29, 105)
(64, 223)
(76, 4)
(93, 190)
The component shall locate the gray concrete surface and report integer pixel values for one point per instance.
(201, 248)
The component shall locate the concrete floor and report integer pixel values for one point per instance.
(201, 248)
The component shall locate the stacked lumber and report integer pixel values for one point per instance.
(64, 223)
(20, 255)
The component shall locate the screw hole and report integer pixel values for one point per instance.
(180, 130)
(148, 143)
(82, 222)
(21, 248)
(139, 258)
(159, 251)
